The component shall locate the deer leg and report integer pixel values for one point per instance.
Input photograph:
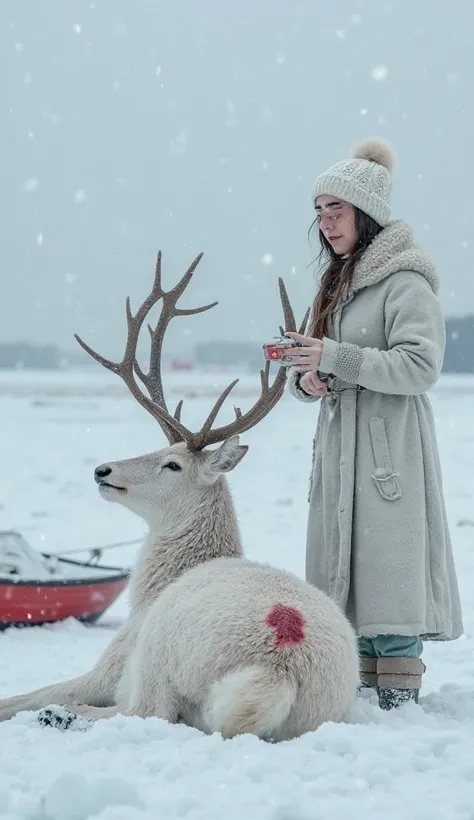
(162, 704)
(66, 717)
(95, 688)
(80, 689)
(96, 712)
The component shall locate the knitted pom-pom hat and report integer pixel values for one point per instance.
(364, 181)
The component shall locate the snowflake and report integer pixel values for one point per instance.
(179, 145)
(379, 73)
(267, 258)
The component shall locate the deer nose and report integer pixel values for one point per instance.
(102, 472)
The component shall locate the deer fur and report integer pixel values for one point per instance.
(198, 646)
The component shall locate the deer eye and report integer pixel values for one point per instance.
(173, 465)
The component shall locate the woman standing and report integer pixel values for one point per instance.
(377, 539)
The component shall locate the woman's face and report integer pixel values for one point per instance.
(336, 220)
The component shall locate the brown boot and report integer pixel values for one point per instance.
(399, 680)
(368, 673)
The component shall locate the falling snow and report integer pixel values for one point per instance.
(179, 145)
(31, 184)
(267, 258)
(380, 73)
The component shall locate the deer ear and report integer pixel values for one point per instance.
(227, 456)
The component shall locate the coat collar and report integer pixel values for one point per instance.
(393, 250)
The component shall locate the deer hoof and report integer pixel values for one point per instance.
(60, 718)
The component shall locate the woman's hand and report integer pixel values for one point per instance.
(312, 385)
(307, 358)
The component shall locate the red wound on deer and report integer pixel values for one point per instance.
(288, 624)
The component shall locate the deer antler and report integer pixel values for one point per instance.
(155, 403)
(152, 380)
(269, 395)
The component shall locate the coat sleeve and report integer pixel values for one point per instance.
(416, 338)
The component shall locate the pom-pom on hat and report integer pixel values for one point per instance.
(364, 181)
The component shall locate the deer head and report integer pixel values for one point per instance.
(178, 477)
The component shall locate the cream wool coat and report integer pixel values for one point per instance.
(378, 541)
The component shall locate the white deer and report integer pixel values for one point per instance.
(213, 640)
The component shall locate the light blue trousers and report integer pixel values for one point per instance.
(390, 646)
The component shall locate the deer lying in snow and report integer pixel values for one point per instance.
(212, 640)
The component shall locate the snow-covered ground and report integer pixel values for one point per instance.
(417, 763)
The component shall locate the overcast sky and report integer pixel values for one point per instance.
(130, 125)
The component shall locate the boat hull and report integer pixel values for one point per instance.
(33, 603)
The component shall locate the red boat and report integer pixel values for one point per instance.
(38, 588)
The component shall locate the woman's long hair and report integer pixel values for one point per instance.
(338, 273)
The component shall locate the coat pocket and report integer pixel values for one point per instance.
(385, 477)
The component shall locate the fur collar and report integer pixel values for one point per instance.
(394, 250)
